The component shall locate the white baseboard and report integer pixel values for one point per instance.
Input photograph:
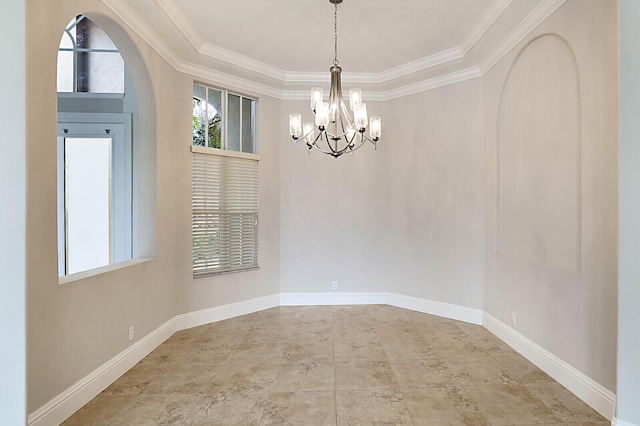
(219, 313)
(446, 310)
(64, 405)
(618, 422)
(597, 396)
(68, 402)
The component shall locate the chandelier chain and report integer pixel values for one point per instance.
(335, 32)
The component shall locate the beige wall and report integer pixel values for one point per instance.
(559, 281)
(417, 217)
(406, 218)
(74, 328)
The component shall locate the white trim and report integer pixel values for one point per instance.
(225, 153)
(617, 422)
(65, 404)
(140, 27)
(282, 78)
(220, 313)
(447, 310)
(594, 394)
(535, 18)
(482, 26)
(68, 402)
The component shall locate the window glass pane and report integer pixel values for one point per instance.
(247, 125)
(233, 132)
(100, 72)
(65, 71)
(214, 116)
(87, 203)
(66, 41)
(199, 119)
(91, 36)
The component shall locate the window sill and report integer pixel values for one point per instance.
(67, 279)
(225, 153)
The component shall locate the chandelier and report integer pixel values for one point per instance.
(338, 132)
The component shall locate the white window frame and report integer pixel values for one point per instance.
(212, 197)
(119, 128)
(224, 143)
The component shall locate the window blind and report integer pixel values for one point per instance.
(224, 214)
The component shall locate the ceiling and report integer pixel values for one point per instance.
(280, 47)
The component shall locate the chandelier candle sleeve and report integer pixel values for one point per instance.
(295, 123)
(309, 132)
(375, 128)
(340, 129)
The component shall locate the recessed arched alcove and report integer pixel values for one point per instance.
(539, 157)
(103, 83)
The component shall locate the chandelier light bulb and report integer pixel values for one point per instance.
(375, 128)
(316, 97)
(295, 125)
(309, 132)
(360, 116)
(322, 115)
(355, 98)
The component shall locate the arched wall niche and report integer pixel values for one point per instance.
(144, 135)
(538, 211)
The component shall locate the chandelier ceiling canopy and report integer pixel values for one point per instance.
(337, 131)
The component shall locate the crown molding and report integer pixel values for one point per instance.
(140, 27)
(228, 81)
(378, 96)
(492, 14)
(174, 14)
(535, 18)
(242, 61)
(282, 78)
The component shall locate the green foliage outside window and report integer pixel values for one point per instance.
(200, 130)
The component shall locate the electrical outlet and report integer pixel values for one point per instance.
(131, 333)
(334, 285)
(514, 319)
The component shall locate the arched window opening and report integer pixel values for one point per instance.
(88, 61)
(97, 151)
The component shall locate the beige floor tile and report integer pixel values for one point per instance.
(303, 332)
(302, 365)
(308, 351)
(364, 375)
(136, 380)
(510, 405)
(420, 373)
(308, 376)
(480, 371)
(565, 405)
(267, 334)
(183, 379)
(300, 409)
(152, 410)
(264, 352)
(102, 410)
(359, 351)
(245, 376)
(371, 407)
(442, 406)
(228, 408)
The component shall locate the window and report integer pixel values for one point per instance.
(224, 182)
(223, 120)
(224, 212)
(88, 61)
(96, 151)
(94, 191)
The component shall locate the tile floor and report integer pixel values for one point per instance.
(335, 365)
